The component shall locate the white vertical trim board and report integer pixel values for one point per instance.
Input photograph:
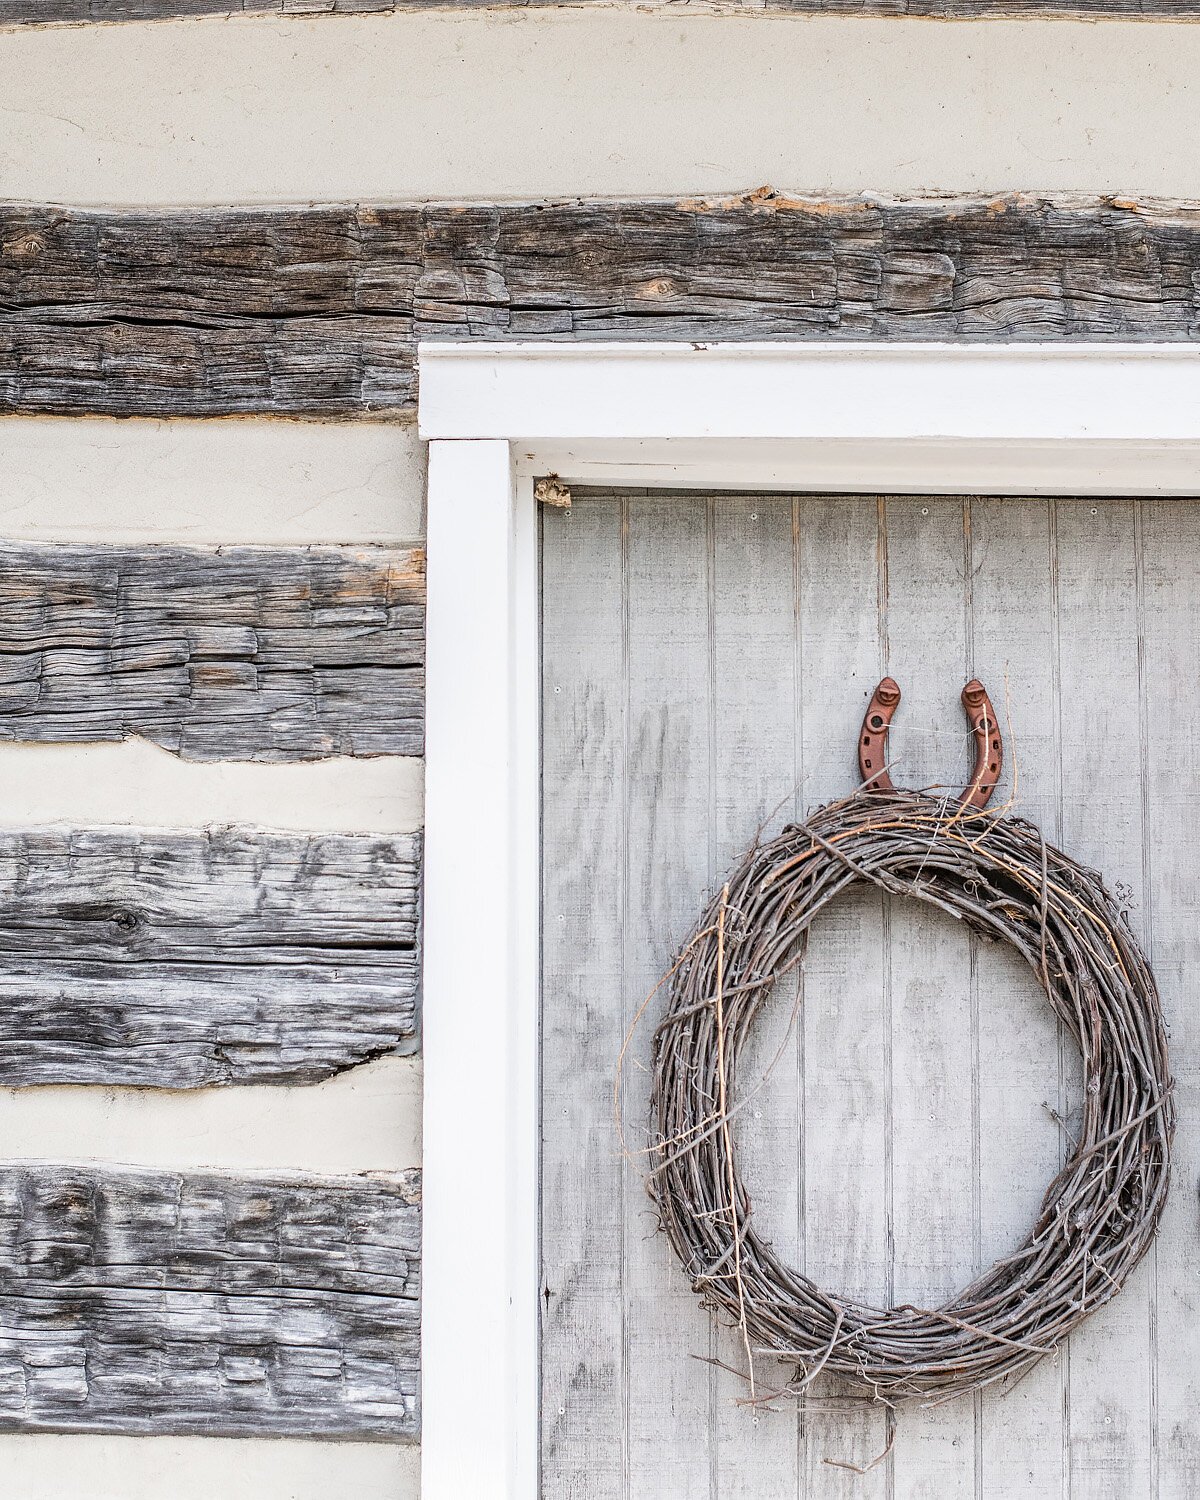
(480, 1214)
(1079, 419)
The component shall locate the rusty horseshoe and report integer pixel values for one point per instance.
(989, 744)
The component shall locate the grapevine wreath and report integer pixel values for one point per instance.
(1000, 876)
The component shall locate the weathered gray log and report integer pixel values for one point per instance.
(30, 12)
(158, 1302)
(239, 654)
(317, 311)
(177, 960)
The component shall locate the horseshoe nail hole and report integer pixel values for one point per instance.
(867, 763)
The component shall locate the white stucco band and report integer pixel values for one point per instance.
(210, 482)
(592, 101)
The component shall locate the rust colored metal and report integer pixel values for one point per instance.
(989, 746)
(872, 742)
(985, 727)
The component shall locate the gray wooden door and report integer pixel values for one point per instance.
(706, 663)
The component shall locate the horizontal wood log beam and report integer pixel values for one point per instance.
(180, 960)
(317, 311)
(151, 1302)
(35, 12)
(267, 654)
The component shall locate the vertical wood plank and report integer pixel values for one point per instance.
(583, 1180)
(1110, 1413)
(1170, 538)
(668, 875)
(847, 1093)
(1021, 1145)
(754, 783)
(934, 1130)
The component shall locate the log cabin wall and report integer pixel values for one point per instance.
(211, 751)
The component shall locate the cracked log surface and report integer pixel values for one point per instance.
(179, 960)
(317, 311)
(153, 1302)
(29, 12)
(269, 654)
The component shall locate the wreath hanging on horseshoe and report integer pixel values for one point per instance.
(1000, 876)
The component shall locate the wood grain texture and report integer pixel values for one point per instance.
(1013, 610)
(932, 999)
(34, 12)
(668, 828)
(153, 1302)
(268, 654)
(181, 960)
(317, 311)
(586, 1190)
(1112, 1438)
(846, 1096)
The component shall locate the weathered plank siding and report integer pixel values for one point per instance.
(178, 960)
(706, 663)
(318, 311)
(34, 12)
(242, 653)
(155, 1302)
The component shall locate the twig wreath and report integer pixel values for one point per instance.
(1000, 876)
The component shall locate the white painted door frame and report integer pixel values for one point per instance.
(1009, 419)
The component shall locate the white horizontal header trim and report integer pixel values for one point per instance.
(541, 392)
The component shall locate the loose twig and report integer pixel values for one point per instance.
(843, 1463)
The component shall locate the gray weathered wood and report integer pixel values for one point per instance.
(157, 1302)
(34, 12)
(1169, 568)
(317, 311)
(178, 960)
(1021, 1147)
(587, 1191)
(932, 1002)
(1111, 1438)
(845, 1107)
(235, 654)
(754, 772)
(669, 863)
(929, 1074)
